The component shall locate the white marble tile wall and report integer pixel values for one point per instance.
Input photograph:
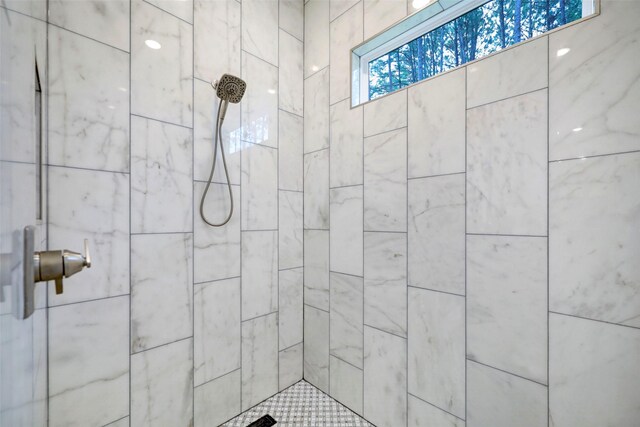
(346, 235)
(346, 145)
(346, 315)
(346, 31)
(259, 359)
(346, 384)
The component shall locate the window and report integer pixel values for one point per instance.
(440, 40)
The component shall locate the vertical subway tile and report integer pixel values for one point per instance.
(346, 384)
(290, 148)
(260, 29)
(162, 386)
(91, 205)
(386, 114)
(436, 126)
(385, 282)
(316, 109)
(346, 145)
(385, 182)
(345, 33)
(437, 233)
(290, 307)
(507, 166)
(161, 177)
(88, 103)
(259, 273)
(499, 399)
(216, 250)
(316, 268)
(507, 304)
(346, 230)
(217, 401)
(316, 36)
(165, 95)
(161, 289)
(259, 359)
(316, 190)
(290, 229)
(216, 38)
(385, 378)
(345, 341)
(316, 347)
(259, 105)
(594, 238)
(510, 73)
(437, 349)
(290, 360)
(89, 362)
(103, 20)
(216, 331)
(594, 373)
(290, 74)
(259, 188)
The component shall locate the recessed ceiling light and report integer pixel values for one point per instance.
(153, 44)
(563, 51)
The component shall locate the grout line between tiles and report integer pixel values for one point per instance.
(506, 372)
(155, 6)
(437, 407)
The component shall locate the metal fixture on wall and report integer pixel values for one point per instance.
(229, 89)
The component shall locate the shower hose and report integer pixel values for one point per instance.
(218, 137)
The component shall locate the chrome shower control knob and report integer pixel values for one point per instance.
(54, 265)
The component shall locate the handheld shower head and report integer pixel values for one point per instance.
(230, 88)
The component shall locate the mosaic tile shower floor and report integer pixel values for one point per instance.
(301, 405)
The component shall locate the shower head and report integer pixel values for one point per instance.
(230, 88)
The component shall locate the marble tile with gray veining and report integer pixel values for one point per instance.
(183, 9)
(259, 188)
(33, 8)
(385, 114)
(290, 361)
(161, 177)
(260, 29)
(594, 373)
(380, 14)
(507, 304)
(346, 230)
(316, 190)
(217, 401)
(437, 349)
(421, 413)
(91, 205)
(594, 238)
(316, 347)
(338, 7)
(346, 384)
(346, 318)
(496, 398)
(436, 126)
(290, 148)
(594, 79)
(259, 105)
(161, 289)
(216, 331)
(292, 17)
(385, 182)
(346, 32)
(316, 268)
(259, 273)
(346, 145)
(259, 359)
(89, 362)
(385, 282)
(385, 378)
(103, 20)
(290, 229)
(290, 307)
(165, 95)
(290, 74)
(216, 250)
(513, 72)
(507, 166)
(316, 37)
(437, 233)
(216, 38)
(162, 386)
(316, 109)
(88, 103)
(206, 108)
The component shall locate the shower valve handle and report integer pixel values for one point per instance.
(54, 265)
